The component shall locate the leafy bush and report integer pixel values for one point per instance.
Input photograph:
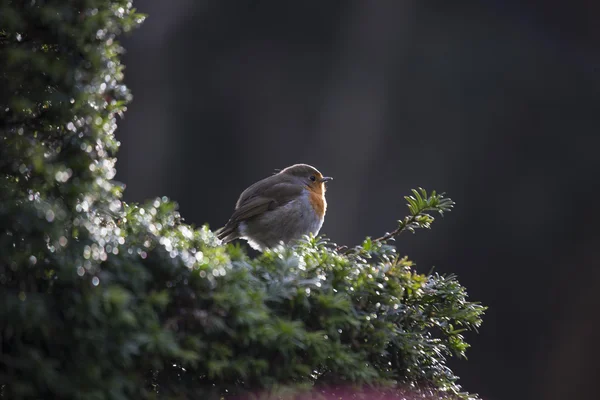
(105, 300)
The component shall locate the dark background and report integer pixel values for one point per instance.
(496, 103)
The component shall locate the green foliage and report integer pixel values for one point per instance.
(419, 205)
(105, 300)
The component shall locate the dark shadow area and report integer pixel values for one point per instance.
(495, 104)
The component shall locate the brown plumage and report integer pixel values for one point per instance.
(282, 207)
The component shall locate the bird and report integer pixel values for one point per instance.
(280, 208)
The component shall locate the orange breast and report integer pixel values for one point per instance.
(317, 200)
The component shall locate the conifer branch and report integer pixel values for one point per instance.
(420, 204)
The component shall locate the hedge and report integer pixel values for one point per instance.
(100, 299)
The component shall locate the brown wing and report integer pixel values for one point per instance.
(261, 187)
(255, 206)
(263, 196)
(270, 198)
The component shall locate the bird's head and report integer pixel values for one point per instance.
(309, 176)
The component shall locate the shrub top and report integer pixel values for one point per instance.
(100, 299)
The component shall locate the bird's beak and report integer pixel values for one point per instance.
(326, 179)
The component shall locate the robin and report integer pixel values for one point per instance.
(282, 207)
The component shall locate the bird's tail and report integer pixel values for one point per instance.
(227, 233)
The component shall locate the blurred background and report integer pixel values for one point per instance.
(496, 103)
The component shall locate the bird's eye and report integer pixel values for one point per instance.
(313, 178)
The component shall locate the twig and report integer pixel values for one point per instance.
(418, 206)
